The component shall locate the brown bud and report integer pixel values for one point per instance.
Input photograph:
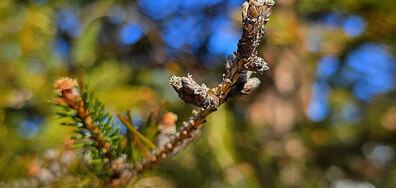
(169, 119)
(67, 88)
(257, 64)
(64, 83)
(250, 86)
(254, 11)
(190, 92)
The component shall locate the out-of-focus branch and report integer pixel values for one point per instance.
(72, 97)
(236, 82)
(94, 127)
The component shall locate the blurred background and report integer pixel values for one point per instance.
(324, 115)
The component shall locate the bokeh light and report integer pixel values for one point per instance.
(129, 34)
(354, 26)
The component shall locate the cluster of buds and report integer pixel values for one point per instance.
(192, 93)
(122, 170)
(167, 128)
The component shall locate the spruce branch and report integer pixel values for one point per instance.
(236, 82)
(88, 115)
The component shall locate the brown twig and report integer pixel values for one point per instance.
(235, 83)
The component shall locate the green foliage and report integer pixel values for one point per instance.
(94, 127)
(102, 146)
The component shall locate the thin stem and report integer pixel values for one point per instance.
(134, 137)
(136, 132)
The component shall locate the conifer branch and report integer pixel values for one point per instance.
(237, 82)
(88, 113)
